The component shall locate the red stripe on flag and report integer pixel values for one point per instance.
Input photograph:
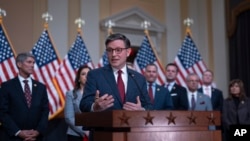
(12, 67)
(47, 87)
(5, 72)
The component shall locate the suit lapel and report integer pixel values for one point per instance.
(19, 90)
(213, 94)
(157, 95)
(110, 79)
(132, 86)
(173, 88)
(34, 91)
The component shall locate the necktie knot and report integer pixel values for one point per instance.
(119, 72)
(25, 81)
(150, 84)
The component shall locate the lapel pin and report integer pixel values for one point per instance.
(158, 89)
(35, 85)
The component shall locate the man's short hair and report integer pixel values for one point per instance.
(172, 64)
(118, 36)
(21, 57)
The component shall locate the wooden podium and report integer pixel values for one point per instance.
(121, 125)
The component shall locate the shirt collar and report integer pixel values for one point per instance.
(22, 78)
(209, 87)
(170, 84)
(153, 84)
(124, 70)
(189, 92)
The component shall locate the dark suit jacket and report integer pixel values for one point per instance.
(230, 113)
(103, 79)
(14, 112)
(179, 97)
(216, 98)
(162, 99)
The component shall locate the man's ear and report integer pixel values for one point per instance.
(128, 51)
(19, 64)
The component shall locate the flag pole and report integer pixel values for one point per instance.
(48, 17)
(188, 22)
(145, 25)
(109, 24)
(3, 14)
(79, 23)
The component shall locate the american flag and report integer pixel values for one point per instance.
(103, 61)
(47, 62)
(7, 57)
(145, 56)
(77, 56)
(188, 61)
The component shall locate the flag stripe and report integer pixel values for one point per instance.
(47, 62)
(66, 73)
(188, 61)
(145, 56)
(7, 57)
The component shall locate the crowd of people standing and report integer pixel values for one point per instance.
(113, 87)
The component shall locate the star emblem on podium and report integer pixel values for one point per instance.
(124, 119)
(149, 119)
(192, 118)
(171, 118)
(211, 119)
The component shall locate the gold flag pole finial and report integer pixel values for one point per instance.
(47, 17)
(188, 22)
(79, 23)
(2, 13)
(109, 24)
(145, 24)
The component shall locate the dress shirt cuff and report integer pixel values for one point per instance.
(92, 107)
(17, 132)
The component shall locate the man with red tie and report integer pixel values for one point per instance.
(24, 104)
(159, 95)
(115, 86)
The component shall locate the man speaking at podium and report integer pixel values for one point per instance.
(115, 86)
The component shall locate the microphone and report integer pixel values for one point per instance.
(138, 87)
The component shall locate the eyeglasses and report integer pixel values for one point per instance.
(117, 50)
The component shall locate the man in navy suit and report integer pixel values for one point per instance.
(214, 93)
(24, 120)
(115, 86)
(159, 95)
(177, 92)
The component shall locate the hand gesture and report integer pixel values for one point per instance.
(102, 103)
(133, 106)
